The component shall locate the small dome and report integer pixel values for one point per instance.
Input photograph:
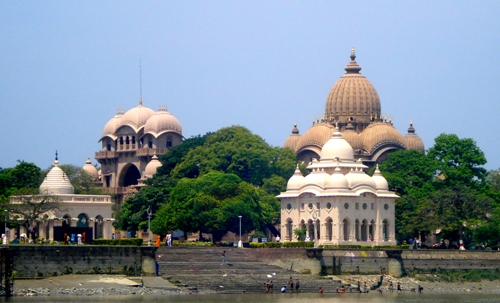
(152, 167)
(90, 169)
(337, 147)
(293, 139)
(318, 177)
(137, 117)
(380, 181)
(113, 124)
(412, 140)
(353, 96)
(56, 182)
(353, 139)
(296, 181)
(162, 122)
(317, 135)
(380, 132)
(337, 180)
(356, 177)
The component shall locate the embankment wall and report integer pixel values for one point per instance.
(34, 261)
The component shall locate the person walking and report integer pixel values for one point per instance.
(158, 241)
(223, 257)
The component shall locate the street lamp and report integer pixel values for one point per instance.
(240, 244)
(5, 224)
(149, 225)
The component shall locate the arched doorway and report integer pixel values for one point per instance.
(83, 220)
(98, 227)
(129, 176)
(347, 229)
(385, 230)
(372, 230)
(66, 222)
(329, 229)
(364, 230)
(289, 230)
(356, 230)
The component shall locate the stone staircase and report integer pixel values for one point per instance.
(199, 269)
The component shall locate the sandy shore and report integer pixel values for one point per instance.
(407, 284)
(121, 285)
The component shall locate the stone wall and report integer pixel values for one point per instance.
(392, 262)
(33, 261)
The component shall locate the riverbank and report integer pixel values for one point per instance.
(89, 285)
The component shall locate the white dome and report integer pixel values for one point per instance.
(318, 177)
(337, 180)
(356, 177)
(56, 182)
(137, 117)
(337, 147)
(113, 124)
(380, 181)
(152, 167)
(90, 169)
(296, 181)
(162, 122)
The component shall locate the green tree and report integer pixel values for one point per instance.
(460, 161)
(211, 204)
(25, 175)
(235, 150)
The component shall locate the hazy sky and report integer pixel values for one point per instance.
(67, 66)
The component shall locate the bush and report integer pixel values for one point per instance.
(309, 244)
(125, 241)
(197, 243)
(257, 245)
(273, 244)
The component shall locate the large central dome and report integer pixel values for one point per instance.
(353, 99)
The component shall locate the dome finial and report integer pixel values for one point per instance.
(353, 54)
(56, 155)
(353, 67)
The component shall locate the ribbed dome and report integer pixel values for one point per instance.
(353, 96)
(337, 147)
(293, 139)
(137, 117)
(356, 177)
(56, 182)
(353, 139)
(337, 180)
(162, 122)
(317, 135)
(152, 167)
(296, 181)
(90, 169)
(412, 140)
(113, 124)
(380, 181)
(380, 132)
(318, 177)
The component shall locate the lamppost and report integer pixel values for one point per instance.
(5, 224)
(149, 225)
(315, 221)
(240, 244)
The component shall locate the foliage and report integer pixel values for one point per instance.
(125, 241)
(211, 204)
(235, 150)
(300, 233)
(23, 175)
(196, 243)
(446, 275)
(30, 206)
(309, 244)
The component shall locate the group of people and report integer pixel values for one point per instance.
(168, 240)
(74, 239)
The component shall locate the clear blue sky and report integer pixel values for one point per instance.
(67, 66)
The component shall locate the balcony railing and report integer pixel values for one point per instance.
(106, 154)
(151, 151)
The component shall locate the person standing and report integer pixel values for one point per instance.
(223, 257)
(290, 284)
(278, 238)
(297, 286)
(158, 242)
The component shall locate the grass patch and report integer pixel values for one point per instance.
(465, 275)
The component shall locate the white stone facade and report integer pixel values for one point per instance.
(338, 202)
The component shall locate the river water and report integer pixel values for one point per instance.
(272, 298)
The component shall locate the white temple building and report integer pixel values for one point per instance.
(338, 202)
(77, 213)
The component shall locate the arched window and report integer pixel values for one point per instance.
(364, 230)
(372, 230)
(83, 220)
(329, 229)
(385, 230)
(169, 141)
(347, 229)
(66, 221)
(356, 230)
(289, 230)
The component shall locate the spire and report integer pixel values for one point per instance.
(56, 155)
(140, 82)
(295, 130)
(411, 130)
(353, 67)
